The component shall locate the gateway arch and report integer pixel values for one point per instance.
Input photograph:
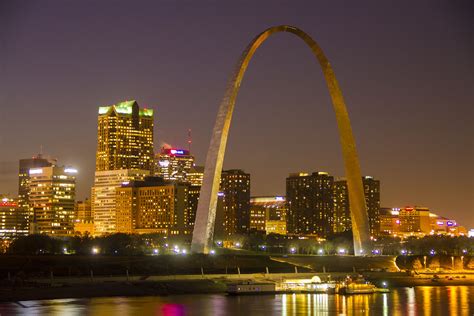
(206, 211)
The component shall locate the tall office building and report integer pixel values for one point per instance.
(152, 206)
(235, 189)
(103, 196)
(310, 204)
(24, 180)
(125, 137)
(13, 219)
(174, 164)
(342, 216)
(52, 198)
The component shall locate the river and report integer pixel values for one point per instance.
(423, 300)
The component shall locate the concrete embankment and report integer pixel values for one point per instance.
(82, 287)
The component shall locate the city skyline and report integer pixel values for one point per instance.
(407, 178)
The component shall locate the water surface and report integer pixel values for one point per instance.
(423, 300)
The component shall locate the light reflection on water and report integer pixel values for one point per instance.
(426, 300)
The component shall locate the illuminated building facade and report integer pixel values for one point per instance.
(235, 189)
(125, 137)
(190, 215)
(415, 220)
(52, 199)
(196, 175)
(174, 164)
(342, 216)
(268, 214)
(84, 210)
(13, 219)
(445, 226)
(152, 206)
(103, 196)
(84, 219)
(257, 218)
(310, 204)
(24, 180)
(389, 222)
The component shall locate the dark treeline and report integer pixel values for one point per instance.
(124, 244)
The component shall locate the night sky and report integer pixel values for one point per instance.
(406, 70)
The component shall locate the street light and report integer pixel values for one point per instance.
(342, 251)
(320, 251)
(95, 250)
(212, 252)
(293, 250)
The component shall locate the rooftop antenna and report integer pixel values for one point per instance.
(189, 140)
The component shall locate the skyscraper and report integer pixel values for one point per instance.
(24, 180)
(342, 217)
(235, 188)
(310, 203)
(125, 137)
(174, 164)
(52, 198)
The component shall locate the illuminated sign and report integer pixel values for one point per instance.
(36, 171)
(440, 223)
(177, 151)
(279, 198)
(70, 170)
(449, 223)
(220, 194)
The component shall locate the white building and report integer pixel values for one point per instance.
(103, 196)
